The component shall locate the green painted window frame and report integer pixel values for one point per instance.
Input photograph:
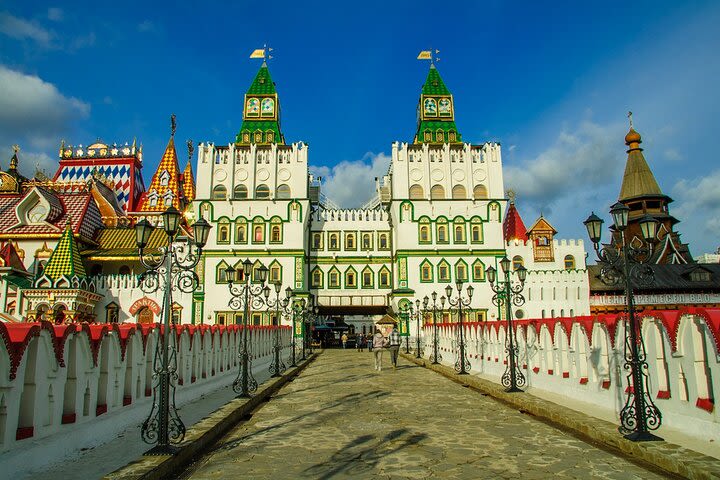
(381, 284)
(426, 263)
(220, 272)
(348, 236)
(569, 262)
(238, 225)
(387, 241)
(438, 226)
(428, 227)
(320, 243)
(481, 277)
(224, 225)
(332, 235)
(255, 225)
(346, 276)
(461, 264)
(459, 223)
(339, 277)
(444, 263)
(481, 238)
(367, 271)
(257, 318)
(366, 235)
(275, 265)
(279, 226)
(319, 284)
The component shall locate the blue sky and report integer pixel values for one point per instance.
(552, 83)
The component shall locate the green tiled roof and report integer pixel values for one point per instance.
(434, 126)
(434, 84)
(65, 259)
(263, 84)
(252, 126)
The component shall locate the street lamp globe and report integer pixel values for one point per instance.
(230, 274)
(620, 212)
(143, 230)
(648, 227)
(593, 224)
(201, 231)
(470, 291)
(505, 265)
(171, 220)
(247, 268)
(262, 273)
(490, 272)
(448, 291)
(522, 273)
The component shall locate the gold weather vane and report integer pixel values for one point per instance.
(428, 55)
(263, 53)
(173, 125)
(511, 195)
(191, 149)
(630, 117)
(16, 148)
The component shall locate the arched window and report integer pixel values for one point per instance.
(223, 235)
(334, 278)
(276, 233)
(478, 271)
(480, 192)
(262, 191)
(258, 231)
(317, 278)
(241, 231)
(333, 241)
(112, 313)
(275, 273)
(426, 272)
(240, 191)
(424, 232)
(569, 262)
(366, 241)
(283, 191)
(383, 241)
(350, 278)
(350, 241)
(442, 231)
(367, 277)
(517, 262)
(384, 278)
(444, 272)
(476, 233)
(219, 192)
(461, 271)
(459, 230)
(416, 192)
(437, 192)
(459, 192)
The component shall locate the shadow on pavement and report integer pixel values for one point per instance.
(361, 456)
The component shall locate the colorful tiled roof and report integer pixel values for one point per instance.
(542, 225)
(513, 226)
(189, 183)
(10, 258)
(65, 259)
(122, 242)
(434, 84)
(263, 84)
(169, 164)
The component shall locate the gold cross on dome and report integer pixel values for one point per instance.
(630, 117)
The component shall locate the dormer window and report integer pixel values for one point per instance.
(164, 178)
(37, 214)
(700, 275)
(168, 198)
(153, 198)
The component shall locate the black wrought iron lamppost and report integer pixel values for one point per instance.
(435, 357)
(627, 265)
(244, 296)
(406, 312)
(305, 309)
(506, 295)
(462, 364)
(277, 367)
(418, 314)
(171, 269)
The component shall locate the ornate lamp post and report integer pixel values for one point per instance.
(418, 313)
(462, 363)
(171, 270)
(407, 311)
(435, 357)
(305, 310)
(277, 367)
(242, 297)
(626, 264)
(506, 295)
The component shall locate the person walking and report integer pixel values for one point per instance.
(369, 341)
(360, 342)
(378, 345)
(344, 340)
(394, 341)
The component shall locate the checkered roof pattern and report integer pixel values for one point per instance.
(168, 163)
(119, 175)
(65, 259)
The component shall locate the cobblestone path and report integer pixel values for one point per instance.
(341, 419)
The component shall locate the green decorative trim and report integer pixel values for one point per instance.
(365, 271)
(321, 236)
(270, 267)
(381, 284)
(426, 263)
(350, 260)
(388, 241)
(238, 224)
(299, 272)
(465, 277)
(336, 235)
(312, 278)
(440, 278)
(220, 272)
(350, 235)
(365, 234)
(339, 277)
(348, 271)
(449, 252)
(477, 278)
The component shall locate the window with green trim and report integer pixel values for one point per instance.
(257, 318)
(258, 232)
(316, 279)
(333, 241)
(442, 231)
(367, 278)
(384, 276)
(317, 241)
(476, 232)
(334, 278)
(223, 235)
(424, 233)
(383, 241)
(366, 241)
(220, 276)
(275, 273)
(240, 231)
(459, 230)
(426, 272)
(276, 231)
(461, 271)
(443, 272)
(350, 278)
(350, 241)
(478, 271)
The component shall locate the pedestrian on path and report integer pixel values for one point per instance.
(394, 341)
(379, 344)
(344, 340)
(369, 341)
(360, 342)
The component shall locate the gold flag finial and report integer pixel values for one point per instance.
(263, 53)
(173, 125)
(630, 117)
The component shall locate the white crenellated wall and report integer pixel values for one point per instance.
(581, 360)
(68, 378)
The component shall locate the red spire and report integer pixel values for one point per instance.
(513, 226)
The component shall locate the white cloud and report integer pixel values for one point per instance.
(35, 115)
(21, 29)
(55, 14)
(698, 207)
(588, 157)
(350, 184)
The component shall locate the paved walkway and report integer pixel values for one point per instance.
(341, 419)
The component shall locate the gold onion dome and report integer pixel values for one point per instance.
(632, 137)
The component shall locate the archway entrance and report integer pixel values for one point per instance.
(145, 315)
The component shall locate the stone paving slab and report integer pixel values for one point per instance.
(340, 419)
(663, 455)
